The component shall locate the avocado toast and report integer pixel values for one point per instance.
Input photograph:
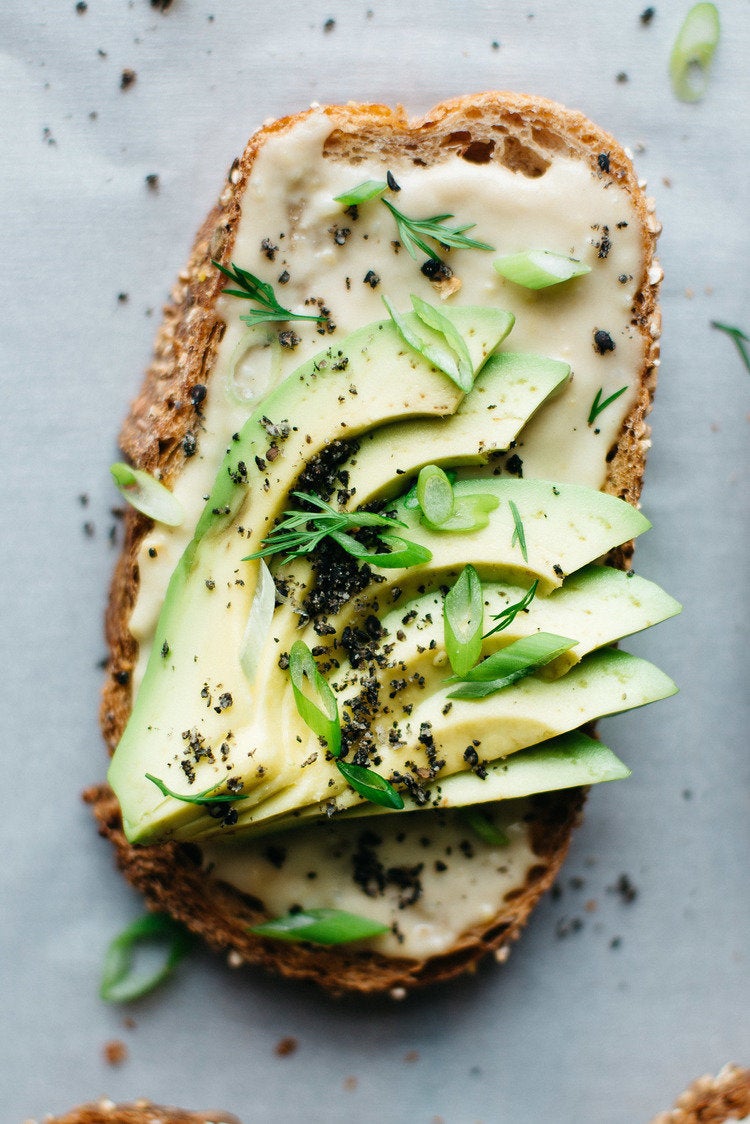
(316, 709)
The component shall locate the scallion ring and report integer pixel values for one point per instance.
(371, 785)
(435, 494)
(121, 983)
(539, 269)
(320, 926)
(693, 51)
(320, 713)
(147, 494)
(462, 621)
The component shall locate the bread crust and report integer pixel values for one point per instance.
(712, 1100)
(524, 133)
(138, 1112)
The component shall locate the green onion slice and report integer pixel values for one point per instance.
(120, 981)
(434, 318)
(322, 716)
(370, 189)
(484, 828)
(209, 796)
(463, 612)
(471, 513)
(510, 613)
(371, 785)
(258, 622)
(321, 926)
(402, 554)
(147, 495)
(435, 494)
(519, 535)
(443, 356)
(410, 500)
(693, 50)
(510, 664)
(538, 269)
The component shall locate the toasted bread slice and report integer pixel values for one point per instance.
(527, 136)
(138, 1112)
(712, 1100)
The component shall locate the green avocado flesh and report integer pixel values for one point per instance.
(377, 634)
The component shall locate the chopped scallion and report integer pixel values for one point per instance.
(370, 189)
(538, 269)
(440, 352)
(402, 554)
(484, 828)
(510, 664)
(471, 513)
(121, 983)
(510, 613)
(258, 622)
(463, 611)
(371, 785)
(320, 926)
(519, 535)
(693, 51)
(435, 494)
(320, 713)
(148, 495)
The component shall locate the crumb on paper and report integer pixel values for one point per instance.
(286, 1046)
(115, 1052)
(127, 78)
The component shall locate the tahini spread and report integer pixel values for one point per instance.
(293, 234)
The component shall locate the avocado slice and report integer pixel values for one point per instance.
(508, 391)
(193, 682)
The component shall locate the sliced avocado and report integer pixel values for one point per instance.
(529, 712)
(507, 392)
(193, 682)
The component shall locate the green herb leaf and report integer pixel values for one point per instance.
(538, 269)
(320, 926)
(435, 494)
(412, 233)
(403, 553)
(252, 288)
(693, 52)
(510, 613)
(258, 622)
(371, 785)
(739, 337)
(322, 716)
(597, 405)
(370, 189)
(299, 532)
(439, 323)
(463, 612)
(510, 664)
(120, 982)
(208, 797)
(148, 495)
(441, 352)
(410, 500)
(484, 828)
(471, 513)
(519, 535)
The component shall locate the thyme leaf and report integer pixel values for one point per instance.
(740, 338)
(510, 613)
(412, 233)
(252, 288)
(597, 405)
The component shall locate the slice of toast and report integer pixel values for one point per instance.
(138, 1112)
(712, 1100)
(521, 135)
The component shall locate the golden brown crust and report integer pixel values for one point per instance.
(524, 133)
(712, 1100)
(139, 1112)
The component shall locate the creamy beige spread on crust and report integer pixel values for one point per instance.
(317, 256)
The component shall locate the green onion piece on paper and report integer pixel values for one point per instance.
(693, 51)
(538, 269)
(463, 612)
(121, 981)
(371, 785)
(435, 494)
(320, 713)
(370, 189)
(740, 338)
(510, 664)
(147, 494)
(484, 828)
(320, 926)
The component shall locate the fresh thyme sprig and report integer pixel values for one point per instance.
(412, 233)
(597, 405)
(740, 338)
(510, 613)
(203, 799)
(252, 288)
(519, 535)
(299, 532)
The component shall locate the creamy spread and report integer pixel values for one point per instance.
(293, 234)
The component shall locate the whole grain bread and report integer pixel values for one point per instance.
(525, 134)
(138, 1112)
(712, 1100)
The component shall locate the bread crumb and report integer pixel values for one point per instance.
(127, 78)
(411, 1056)
(115, 1052)
(350, 1084)
(285, 1047)
(234, 960)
